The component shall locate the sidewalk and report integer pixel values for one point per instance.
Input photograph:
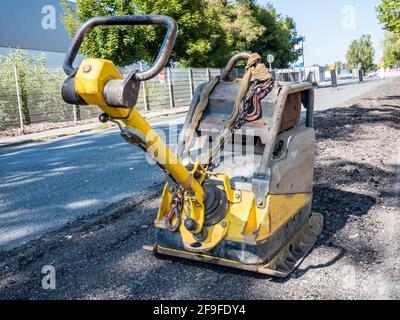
(63, 132)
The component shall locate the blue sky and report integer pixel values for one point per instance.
(329, 26)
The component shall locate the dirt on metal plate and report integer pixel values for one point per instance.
(358, 255)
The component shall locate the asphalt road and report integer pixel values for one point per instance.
(326, 98)
(45, 185)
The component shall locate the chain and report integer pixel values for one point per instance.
(175, 210)
(257, 90)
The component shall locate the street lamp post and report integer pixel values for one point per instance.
(302, 39)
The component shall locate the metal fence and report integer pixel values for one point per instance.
(36, 98)
(289, 75)
(172, 88)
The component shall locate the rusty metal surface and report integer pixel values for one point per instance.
(291, 114)
(231, 64)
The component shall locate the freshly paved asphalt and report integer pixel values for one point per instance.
(45, 185)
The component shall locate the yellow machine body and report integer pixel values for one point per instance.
(265, 239)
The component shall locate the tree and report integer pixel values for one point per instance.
(276, 38)
(237, 26)
(210, 31)
(199, 30)
(361, 52)
(391, 49)
(32, 78)
(389, 14)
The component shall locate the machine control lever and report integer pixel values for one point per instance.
(120, 93)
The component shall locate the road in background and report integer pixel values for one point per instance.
(328, 97)
(45, 185)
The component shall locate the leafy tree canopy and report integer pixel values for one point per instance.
(361, 52)
(389, 14)
(210, 31)
(391, 49)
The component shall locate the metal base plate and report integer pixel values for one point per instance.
(282, 265)
(294, 252)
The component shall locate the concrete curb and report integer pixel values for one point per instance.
(73, 131)
(51, 136)
(16, 143)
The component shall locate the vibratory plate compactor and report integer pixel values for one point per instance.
(239, 188)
